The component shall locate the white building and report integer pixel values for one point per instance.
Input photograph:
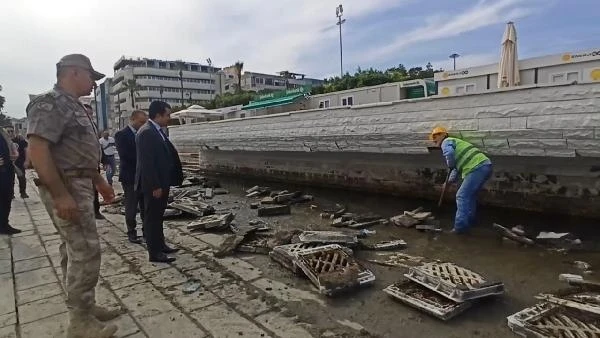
(578, 67)
(175, 82)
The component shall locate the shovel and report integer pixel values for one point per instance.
(444, 189)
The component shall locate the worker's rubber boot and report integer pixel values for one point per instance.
(84, 325)
(104, 314)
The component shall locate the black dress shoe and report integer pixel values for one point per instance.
(168, 250)
(24, 195)
(8, 230)
(100, 216)
(134, 239)
(162, 258)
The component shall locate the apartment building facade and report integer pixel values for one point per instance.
(175, 82)
(256, 82)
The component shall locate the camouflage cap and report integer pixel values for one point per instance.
(79, 60)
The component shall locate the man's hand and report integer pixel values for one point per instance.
(157, 193)
(107, 192)
(66, 208)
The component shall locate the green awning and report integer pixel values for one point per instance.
(272, 103)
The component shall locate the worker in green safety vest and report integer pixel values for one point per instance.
(474, 167)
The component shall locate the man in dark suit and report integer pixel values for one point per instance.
(158, 168)
(125, 143)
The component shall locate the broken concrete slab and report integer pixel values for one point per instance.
(505, 232)
(453, 281)
(428, 301)
(253, 189)
(208, 193)
(283, 237)
(220, 191)
(364, 224)
(587, 301)
(254, 205)
(332, 270)
(274, 210)
(404, 220)
(193, 207)
(286, 197)
(229, 245)
(328, 237)
(257, 245)
(253, 194)
(384, 245)
(400, 260)
(419, 216)
(428, 227)
(267, 200)
(212, 222)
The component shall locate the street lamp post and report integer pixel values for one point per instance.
(339, 11)
(210, 71)
(453, 57)
(161, 90)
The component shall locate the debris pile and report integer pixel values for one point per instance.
(442, 289)
(418, 218)
(273, 202)
(572, 312)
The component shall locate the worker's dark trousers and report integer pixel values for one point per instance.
(22, 179)
(7, 186)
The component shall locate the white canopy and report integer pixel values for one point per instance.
(508, 71)
(196, 111)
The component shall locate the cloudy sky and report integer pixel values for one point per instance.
(274, 35)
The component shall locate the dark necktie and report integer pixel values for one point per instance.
(163, 134)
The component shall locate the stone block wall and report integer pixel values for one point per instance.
(544, 142)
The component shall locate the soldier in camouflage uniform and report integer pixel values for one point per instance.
(65, 152)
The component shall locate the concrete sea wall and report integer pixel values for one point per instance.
(544, 142)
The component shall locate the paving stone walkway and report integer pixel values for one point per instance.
(235, 299)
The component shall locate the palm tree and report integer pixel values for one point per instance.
(182, 66)
(132, 87)
(239, 66)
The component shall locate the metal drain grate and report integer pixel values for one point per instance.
(420, 297)
(551, 320)
(453, 281)
(585, 301)
(333, 270)
(286, 254)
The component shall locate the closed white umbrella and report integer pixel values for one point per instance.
(508, 71)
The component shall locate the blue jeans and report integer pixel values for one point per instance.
(110, 168)
(466, 197)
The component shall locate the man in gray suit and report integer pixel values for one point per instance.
(158, 168)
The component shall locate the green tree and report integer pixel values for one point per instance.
(132, 87)
(2, 100)
(239, 67)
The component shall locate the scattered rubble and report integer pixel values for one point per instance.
(229, 245)
(191, 286)
(274, 210)
(195, 208)
(385, 245)
(506, 233)
(212, 222)
(400, 260)
(412, 218)
(328, 237)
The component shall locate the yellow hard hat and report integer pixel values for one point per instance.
(437, 131)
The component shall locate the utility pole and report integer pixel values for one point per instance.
(181, 81)
(161, 89)
(339, 11)
(453, 57)
(96, 107)
(210, 71)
